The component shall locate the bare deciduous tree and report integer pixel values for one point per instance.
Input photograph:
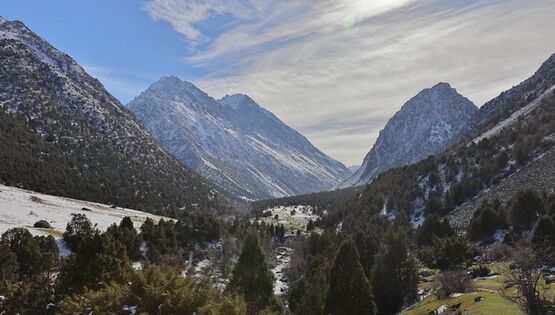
(525, 285)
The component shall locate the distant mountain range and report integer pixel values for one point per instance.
(422, 127)
(240, 146)
(62, 133)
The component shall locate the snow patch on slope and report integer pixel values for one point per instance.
(22, 208)
(514, 117)
(234, 142)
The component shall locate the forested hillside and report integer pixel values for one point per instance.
(64, 134)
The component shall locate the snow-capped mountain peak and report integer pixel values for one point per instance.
(422, 127)
(235, 142)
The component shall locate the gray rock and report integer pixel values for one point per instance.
(43, 224)
(422, 127)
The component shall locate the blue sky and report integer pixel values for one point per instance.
(335, 70)
(116, 41)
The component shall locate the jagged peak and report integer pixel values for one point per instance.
(14, 25)
(436, 97)
(442, 85)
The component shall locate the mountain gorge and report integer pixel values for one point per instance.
(65, 134)
(234, 142)
(422, 127)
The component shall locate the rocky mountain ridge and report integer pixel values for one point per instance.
(234, 142)
(103, 153)
(422, 127)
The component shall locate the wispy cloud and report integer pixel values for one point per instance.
(337, 70)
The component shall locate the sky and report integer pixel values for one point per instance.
(335, 70)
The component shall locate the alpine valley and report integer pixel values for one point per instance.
(180, 203)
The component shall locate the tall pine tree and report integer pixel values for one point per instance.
(252, 278)
(349, 291)
(394, 278)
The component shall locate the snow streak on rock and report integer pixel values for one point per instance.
(234, 142)
(422, 127)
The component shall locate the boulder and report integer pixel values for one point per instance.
(42, 224)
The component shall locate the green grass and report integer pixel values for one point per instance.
(492, 304)
(494, 284)
(490, 289)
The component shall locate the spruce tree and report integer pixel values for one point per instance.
(349, 291)
(394, 277)
(252, 278)
(77, 230)
(526, 205)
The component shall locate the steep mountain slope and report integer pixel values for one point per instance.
(539, 175)
(74, 139)
(517, 97)
(234, 142)
(512, 151)
(422, 127)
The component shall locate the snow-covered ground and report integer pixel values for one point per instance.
(292, 217)
(514, 117)
(22, 208)
(282, 260)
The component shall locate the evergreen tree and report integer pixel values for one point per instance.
(367, 244)
(349, 291)
(77, 230)
(526, 204)
(433, 227)
(252, 278)
(446, 253)
(309, 293)
(544, 234)
(280, 232)
(26, 249)
(8, 265)
(50, 253)
(309, 226)
(126, 234)
(99, 260)
(394, 277)
(486, 220)
(502, 160)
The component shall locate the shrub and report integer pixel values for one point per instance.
(449, 282)
(433, 227)
(480, 271)
(446, 253)
(499, 252)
